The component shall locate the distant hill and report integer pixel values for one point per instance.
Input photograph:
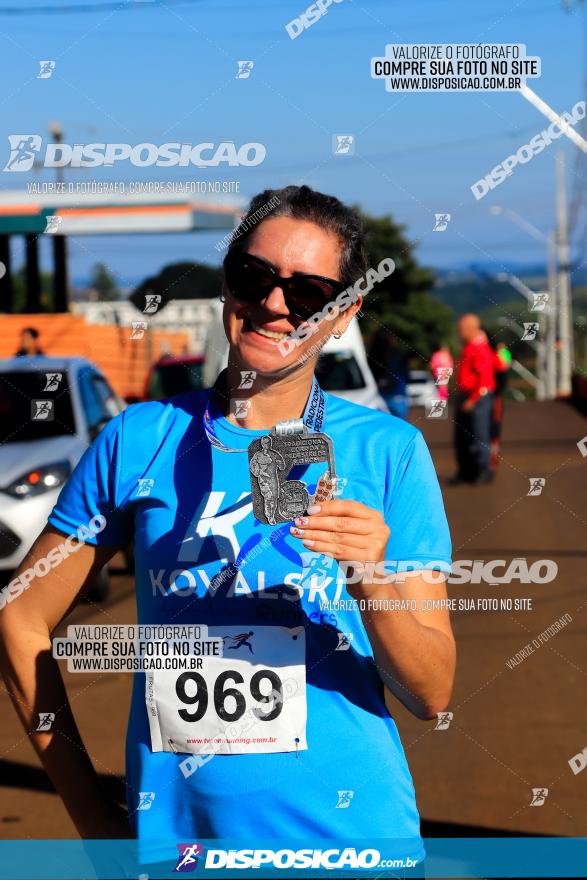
(473, 295)
(476, 288)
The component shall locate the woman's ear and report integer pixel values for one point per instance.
(344, 319)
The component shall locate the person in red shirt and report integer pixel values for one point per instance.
(475, 382)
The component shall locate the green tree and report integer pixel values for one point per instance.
(401, 306)
(104, 283)
(180, 281)
(20, 288)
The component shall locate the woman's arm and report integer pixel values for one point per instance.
(414, 650)
(35, 684)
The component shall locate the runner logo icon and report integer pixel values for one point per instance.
(152, 303)
(344, 641)
(344, 799)
(443, 720)
(343, 144)
(46, 719)
(539, 796)
(52, 381)
(244, 69)
(146, 799)
(46, 69)
(240, 641)
(23, 151)
(441, 222)
(189, 853)
(42, 410)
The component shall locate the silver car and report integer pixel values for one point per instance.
(50, 411)
(421, 388)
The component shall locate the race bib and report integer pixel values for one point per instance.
(241, 690)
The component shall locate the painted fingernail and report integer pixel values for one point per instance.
(315, 508)
(301, 520)
(307, 543)
(297, 532)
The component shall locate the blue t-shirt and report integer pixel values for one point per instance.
(154, 475)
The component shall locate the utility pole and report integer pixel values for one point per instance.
(540, 344)
(60, 303)
(565, 311)
(546, 352)
(551, 353)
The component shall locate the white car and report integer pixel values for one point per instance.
(343, 370)
(50, 411)
(421, 388)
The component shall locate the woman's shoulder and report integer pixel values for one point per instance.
(182, 407)
(367, 425)
(144, 426)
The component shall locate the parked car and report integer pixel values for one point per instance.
(173, 374)
(421, 388)
(50, 411)
(342, 367)
(343, 370)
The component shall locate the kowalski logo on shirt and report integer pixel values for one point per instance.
(209, 522)
(189, 853)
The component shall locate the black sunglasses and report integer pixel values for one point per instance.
(251, 279)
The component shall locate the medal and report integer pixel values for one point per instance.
(277, 499)
(292, 443)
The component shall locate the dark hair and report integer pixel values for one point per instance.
(304, 203)
(33, 332)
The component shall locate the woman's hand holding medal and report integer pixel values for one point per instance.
(346, 530)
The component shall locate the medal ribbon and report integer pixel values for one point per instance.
(313, 417)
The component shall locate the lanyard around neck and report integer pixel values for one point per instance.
(313, 417)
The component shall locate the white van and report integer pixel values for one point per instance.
(342, 368)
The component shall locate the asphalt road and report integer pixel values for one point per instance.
(513, 729)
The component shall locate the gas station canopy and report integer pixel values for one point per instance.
(24, 213)
(61, 214)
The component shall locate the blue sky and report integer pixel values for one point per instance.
(166, 72)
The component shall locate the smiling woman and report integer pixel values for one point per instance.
(244, 525)
(271, 271)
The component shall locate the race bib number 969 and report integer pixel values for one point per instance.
(240, 691)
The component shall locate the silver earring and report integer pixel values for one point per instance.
(222, 298)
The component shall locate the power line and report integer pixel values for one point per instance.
(74, 8)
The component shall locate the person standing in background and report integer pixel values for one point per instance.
(502, 359)
(475, 387)
(29, 344)
(441, 364)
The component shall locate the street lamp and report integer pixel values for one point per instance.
(520, 221)
(548, 355)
